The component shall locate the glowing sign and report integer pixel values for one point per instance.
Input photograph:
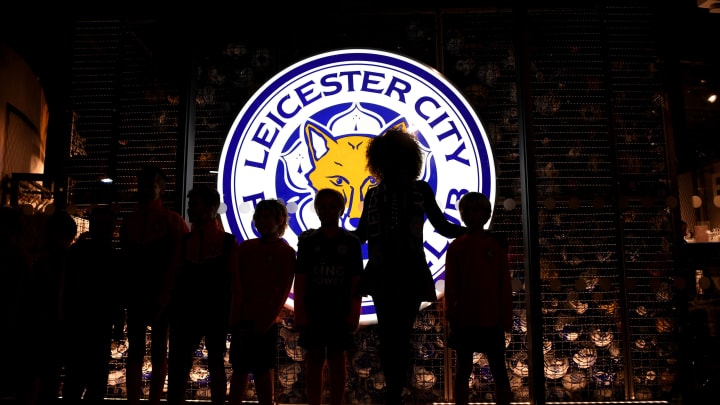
(300, 132)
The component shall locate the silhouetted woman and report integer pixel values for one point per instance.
(397, 275)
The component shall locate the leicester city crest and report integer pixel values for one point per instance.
(308, 127)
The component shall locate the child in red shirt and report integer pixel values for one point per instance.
(478, 296)
(261, 286)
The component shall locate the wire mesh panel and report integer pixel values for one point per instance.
(94, 86)
(148, 131)
(478, 56)
(608, 286)
(124, 115)
(652, 283)
(230, 67)
(597, 120)
(581, 298)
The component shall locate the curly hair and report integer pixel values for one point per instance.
(394, 155)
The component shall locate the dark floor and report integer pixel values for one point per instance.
(118, 401)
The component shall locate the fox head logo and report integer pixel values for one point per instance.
(309, 128)
(339, 163)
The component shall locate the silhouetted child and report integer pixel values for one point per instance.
(478, 295)
(93, 313)
(41, 312)
(261, 286)
(327, 303)
(200, 298)
(150, 240)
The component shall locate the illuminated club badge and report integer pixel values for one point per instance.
(308, 128)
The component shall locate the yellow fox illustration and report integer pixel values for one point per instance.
(340, 163)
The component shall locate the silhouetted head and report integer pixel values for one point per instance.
(270, 217)
(60, 230)
(203, 203)
(329, 206)
(151, 182)
(395, 155)
(475, 209)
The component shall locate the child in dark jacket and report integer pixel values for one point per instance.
(327, 303)
(93, 313)
(200, 297)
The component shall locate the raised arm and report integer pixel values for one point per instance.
(435, 214)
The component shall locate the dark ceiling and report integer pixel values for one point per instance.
(690, 32)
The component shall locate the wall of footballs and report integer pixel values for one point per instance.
(572, 100)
